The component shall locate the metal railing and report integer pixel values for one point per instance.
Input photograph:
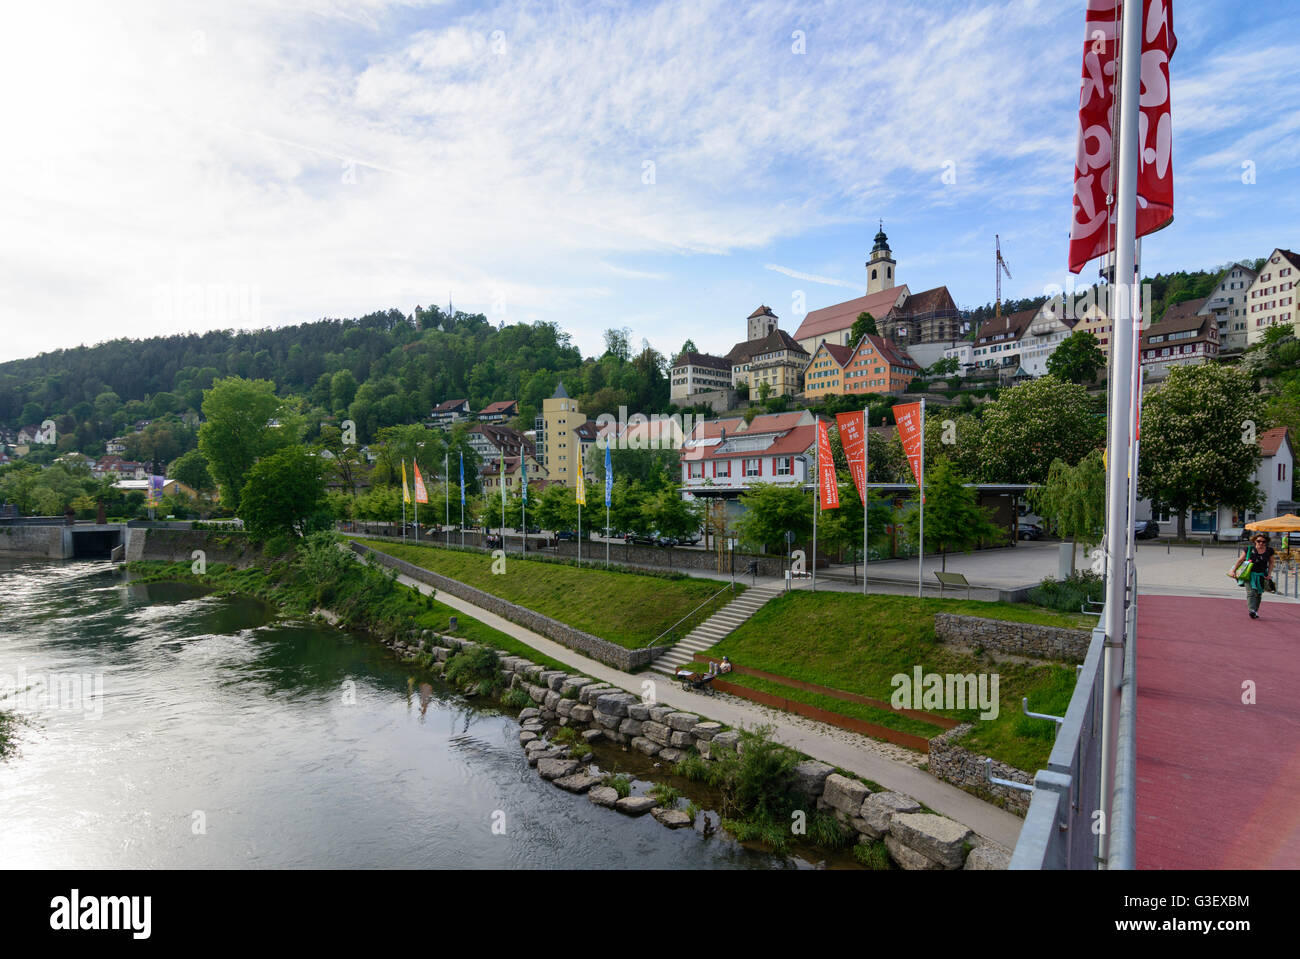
(1065, 817)
(730, 587)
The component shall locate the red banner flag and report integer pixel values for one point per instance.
(854, 442)
(908, 418)
(421, 494)
(826, 478)
(1092, 225)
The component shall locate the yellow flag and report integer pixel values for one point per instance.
(581, 494)
(406, 493)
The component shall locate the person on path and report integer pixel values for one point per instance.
(1260, 556)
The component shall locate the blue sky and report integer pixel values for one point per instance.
(183, 166)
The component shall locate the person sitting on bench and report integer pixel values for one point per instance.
(726, 665)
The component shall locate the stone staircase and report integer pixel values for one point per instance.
(713, 629)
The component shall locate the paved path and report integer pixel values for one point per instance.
(1218, 780)
(989, 821)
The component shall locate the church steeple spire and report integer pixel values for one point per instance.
(880, 267)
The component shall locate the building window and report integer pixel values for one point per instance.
(753, 468)
(722, 468)
(1281, 472)
(695, 470)
(785, 466)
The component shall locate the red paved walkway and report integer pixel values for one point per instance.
(1218, 781)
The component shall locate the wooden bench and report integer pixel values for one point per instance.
(952, 579)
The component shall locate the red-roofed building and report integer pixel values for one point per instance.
(1185, 336)
(499, 412)
(725, 457)
(824, 375)
(448, 412)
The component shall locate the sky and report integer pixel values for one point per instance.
(664, 167)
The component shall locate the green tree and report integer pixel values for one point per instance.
(953, 520)
(283, 495)
(1200, 447)
(556, 509)
(1073, 500)
(238, 431)
(192, 470)
(671, 515)
(772, 509)
(1077, 359)
(864, 325)
(1030, 425)
(764, 391)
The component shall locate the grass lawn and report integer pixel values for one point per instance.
(626, 608)
(858, 643)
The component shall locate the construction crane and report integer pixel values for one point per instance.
(999, 268)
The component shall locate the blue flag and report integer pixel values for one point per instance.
(609, 475)
(462, 477)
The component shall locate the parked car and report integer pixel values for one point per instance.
(649, 539)
(566, 535)
(690, 539)
(1146, 529)
(1029, 531)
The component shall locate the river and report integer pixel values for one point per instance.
(172, 728)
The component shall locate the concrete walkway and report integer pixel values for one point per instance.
(989, 821)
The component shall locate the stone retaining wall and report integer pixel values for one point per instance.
(178, 546)
(961, 767)
(601, 650)
(913, 838)
(1022, 639)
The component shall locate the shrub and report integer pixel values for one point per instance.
(477, 667)
(826, 831)
(621, 784)
(756, 780)
(1068, 595)
(665, 794)
(693, 767)
(516, 698)
(873, 855)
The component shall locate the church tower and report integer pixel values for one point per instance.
(880, 268)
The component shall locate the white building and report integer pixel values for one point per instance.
(1227, 303)
(1271, 297)
(725, 457)
(1045, 333)
(998, 344)
(1274, 477)
(698, 373)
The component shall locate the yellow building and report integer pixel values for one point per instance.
(776, 360)
(825, 373)
(558, 447)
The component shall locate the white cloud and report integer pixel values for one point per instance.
(338, 165)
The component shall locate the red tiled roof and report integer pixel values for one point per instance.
(702, 359)
(889, 351)
(1013, 323)
(840, 354)
(761, 311)
(1270, 441)
(799, 439)
(500, 406)
(449, 405)
(927, 301)
(832, 319)
(776, 340)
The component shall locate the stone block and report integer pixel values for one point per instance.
(643, 745)
(577, 783)
(907, 857)
(810, 777)
(565, 707)
(672, 818)
(638, 711)
(681, 740)
(556, 768)
(706, 730)
(656, 731)
(988, 855)
(603, 795)
(682, 722)
(581, 713)
(630, 727)
(615, 704)
(880, 808)
(844, 794)
(936, 837)
(671, 755)
(635, 805)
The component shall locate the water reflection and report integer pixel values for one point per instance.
(230, 739)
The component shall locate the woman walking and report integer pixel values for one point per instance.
(1259, 556)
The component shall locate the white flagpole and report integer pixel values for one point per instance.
(865, 434)
(579, 534)
(920, 555)
(817, 492)
(416, 501)
(403, 510)
(446, 477)
(1120, 410)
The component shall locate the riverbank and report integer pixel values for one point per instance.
(361, 596)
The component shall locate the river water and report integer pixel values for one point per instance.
(169, 728)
